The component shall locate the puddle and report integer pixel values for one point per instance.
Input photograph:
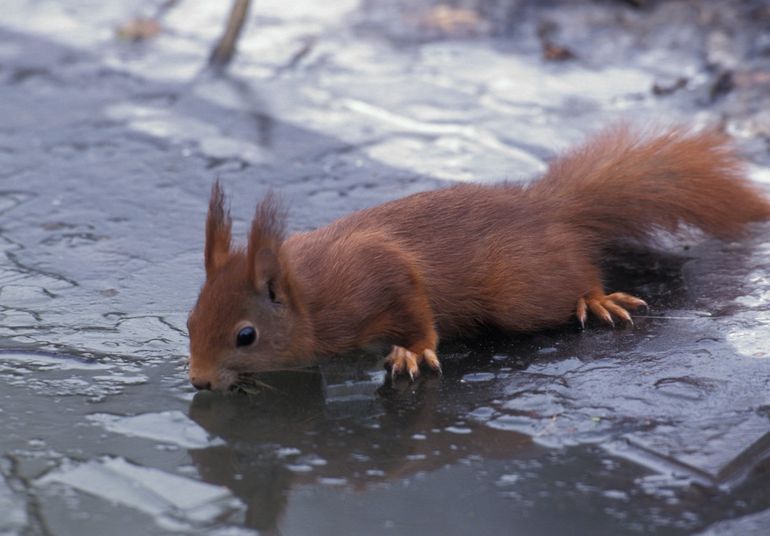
(12, 505)
(167, 427)
(161, 495)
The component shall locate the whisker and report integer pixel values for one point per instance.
(247, 382)
(259, 383)
(248, 387)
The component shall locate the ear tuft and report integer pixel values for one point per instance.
(268, 230)
(218, 231)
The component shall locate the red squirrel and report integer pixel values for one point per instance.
(442, 263)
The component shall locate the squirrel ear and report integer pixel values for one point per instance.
(267, 233)
(218, 231)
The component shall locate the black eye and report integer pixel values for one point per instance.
(246, 336)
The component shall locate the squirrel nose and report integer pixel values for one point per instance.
(201, 385)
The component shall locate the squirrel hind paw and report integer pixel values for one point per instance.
(401, 361)
(607, 308)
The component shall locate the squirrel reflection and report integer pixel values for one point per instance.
(296, 435)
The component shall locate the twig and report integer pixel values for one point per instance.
(225, 49)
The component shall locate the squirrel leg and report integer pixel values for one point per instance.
(403, 313)
(421, 348)
(607, 307)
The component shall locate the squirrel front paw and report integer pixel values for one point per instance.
(400, 361)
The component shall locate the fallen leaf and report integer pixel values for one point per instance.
(138, 29)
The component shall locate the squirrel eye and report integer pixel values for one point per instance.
(246, 336)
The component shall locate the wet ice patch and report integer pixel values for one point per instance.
(556, 431)
(752, 524)
(168, 125)
(329, 481)
(759, 173)
(687, 388)
(351, 391)
(123, 379)
(59, 375)
(453, 151)
(556, 367)
(751, 334)
(758, 283)
(299, 468)
(68, 387)
(10, 200)
(52, 375)
(461, 430)
(305, 464)
(616, 494)
(481, 414)
(14, 514)
(164, 496)
(148, 336)
(58, 21)
(727, 449)
(476, 377)
(40, 362)
(167, 427)
(287, 452)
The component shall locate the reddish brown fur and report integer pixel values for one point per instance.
(444, 262)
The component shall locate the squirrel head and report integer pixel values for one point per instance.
(247, 318)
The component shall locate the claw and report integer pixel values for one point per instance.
(430, 357)
(581, 312)
(400, 360)
(618, 311)
(608, 307)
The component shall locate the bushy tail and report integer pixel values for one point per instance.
(623, 184)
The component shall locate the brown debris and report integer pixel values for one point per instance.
(554, 52)
(661, 89)
(551, 50)
(751, 79)
(723, 85)
(452, 20)
(138, 29)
